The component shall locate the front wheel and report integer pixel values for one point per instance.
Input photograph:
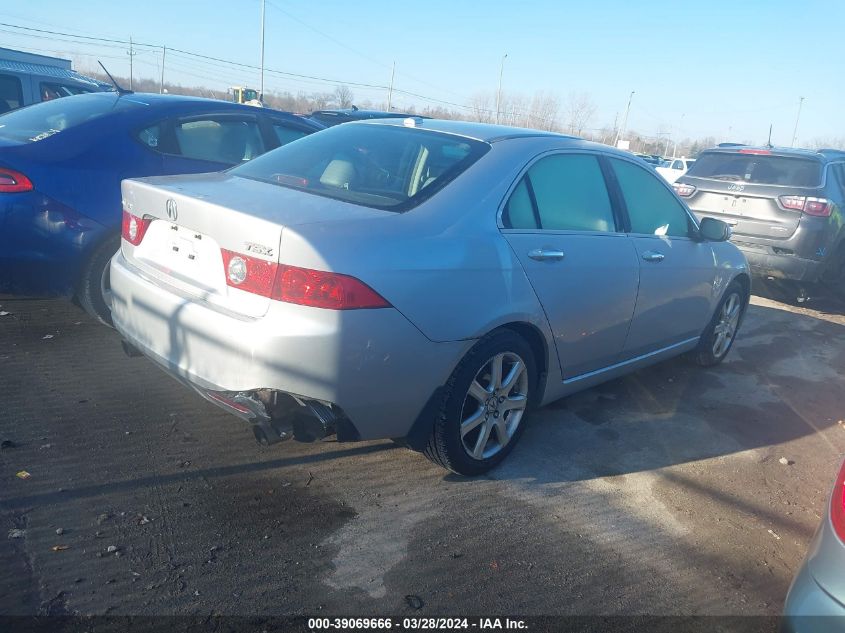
(94, 286)
(486, 399)
(718, 338)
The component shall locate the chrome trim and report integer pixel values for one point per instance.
(630, 361)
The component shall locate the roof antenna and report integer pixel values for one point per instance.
(120, 91)
(769, 143)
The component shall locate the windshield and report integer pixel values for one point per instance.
(42, 120)
(381, 166)
(758, 169)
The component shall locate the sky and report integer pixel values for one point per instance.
(722, 68)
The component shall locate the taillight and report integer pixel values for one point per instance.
(303, 286)
(320, 289)
(12, 181)
(249, 273)
(837, 504)
(133, 228)
(683, 190)
(811, 206)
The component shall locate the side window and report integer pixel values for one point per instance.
(151, 136)
(219, 140)
(285, 134)
(652, 208)
(677, 165)
(50, 91)
(560, 193)
(11, 95)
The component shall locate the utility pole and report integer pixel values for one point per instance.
(390, 90)
(263, 7)
(163, 54)
(675, 149)
(797, 118)
(499, 92)
(625, 119)
(131, 55)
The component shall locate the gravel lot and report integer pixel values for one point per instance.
(659, 493)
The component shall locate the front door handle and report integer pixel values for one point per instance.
(653, 256)
(546, 255)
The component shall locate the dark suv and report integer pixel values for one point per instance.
(785, 207)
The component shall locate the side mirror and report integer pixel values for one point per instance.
(714, 230)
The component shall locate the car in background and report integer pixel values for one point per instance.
(61, 163)
(420, 280)
(785, 206)
(816, 599)
(676, 168)
(336, 117)
(27, 78)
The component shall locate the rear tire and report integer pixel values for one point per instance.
(719, 335)
(833, 278)
(482, 414)
(94, 280)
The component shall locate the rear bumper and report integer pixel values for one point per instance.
(810, 609)
(373, 364)
(787, 267)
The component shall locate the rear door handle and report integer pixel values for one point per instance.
(546, 254)
(653, 256)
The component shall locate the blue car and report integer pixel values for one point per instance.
(61, 163)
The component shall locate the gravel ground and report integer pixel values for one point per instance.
(659, 493)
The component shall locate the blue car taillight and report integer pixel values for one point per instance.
(12, 181)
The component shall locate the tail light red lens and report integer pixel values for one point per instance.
(683, 190)
(837, 504)
(302, 286)
(811, 206)
(320, 289)
(249, 273)
(12, 181)
(133, 228)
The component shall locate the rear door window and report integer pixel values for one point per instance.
(11, 94)
(762, 169)
(287, 133)
(565, 192)
(652, 208)
(227, 140)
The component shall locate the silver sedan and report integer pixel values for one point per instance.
(427, 281)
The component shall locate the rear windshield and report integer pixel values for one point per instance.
(42, 120)
(758, 169)
(382, 166)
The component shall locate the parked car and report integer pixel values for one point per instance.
(336, 117)
(27, 78)
(816, 600)
(61, 164)
(675, 169)
(420, 280)
(785, 206)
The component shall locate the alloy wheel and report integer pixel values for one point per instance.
(725, 329)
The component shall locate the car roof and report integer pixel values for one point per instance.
(487, 132)
(797, 152)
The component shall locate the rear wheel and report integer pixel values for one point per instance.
(833, 278)
(94, 285)
(718, 338)
(486, 399)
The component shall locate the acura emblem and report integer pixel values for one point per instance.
(172, 213)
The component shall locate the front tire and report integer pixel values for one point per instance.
(94, 281)
(483, 410)
(719, 335)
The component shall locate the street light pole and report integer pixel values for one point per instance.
(390, 90)
(675, 148)
(797, 118)
(625, 119)
(263, 8)
(499, 92)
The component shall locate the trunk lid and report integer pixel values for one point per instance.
(194, 217)
(743, 190)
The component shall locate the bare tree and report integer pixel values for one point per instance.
(543, 111)
(481, 107)
(579, 110)
(342, 96)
